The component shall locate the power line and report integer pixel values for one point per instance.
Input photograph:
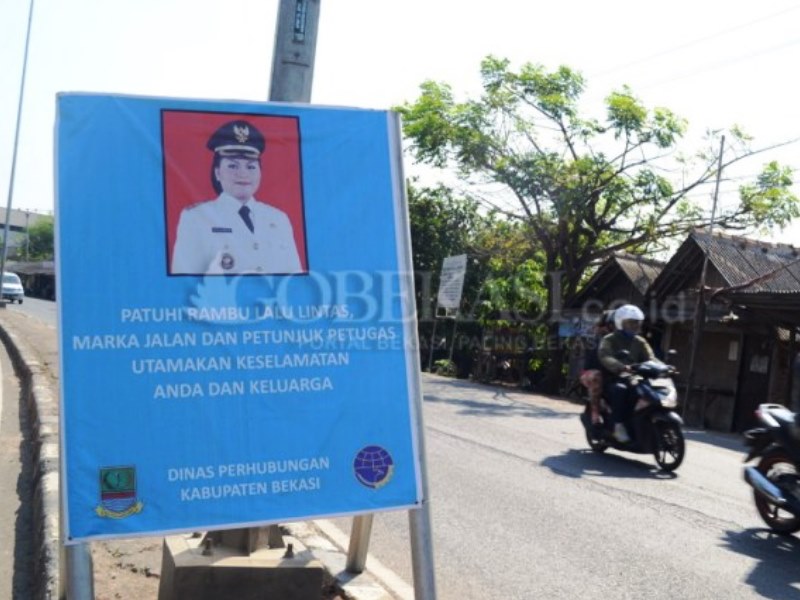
(693, 42)
(722, 63)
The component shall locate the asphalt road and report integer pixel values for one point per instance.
(521, 508)
(44, 310)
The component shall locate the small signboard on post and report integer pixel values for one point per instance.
(451, 281)
(451, 286)
(236, 319)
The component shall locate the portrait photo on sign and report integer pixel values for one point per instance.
(233, 194)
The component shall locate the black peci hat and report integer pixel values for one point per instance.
(237, 138)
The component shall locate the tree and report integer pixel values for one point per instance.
(441, 225)
(581, 188)
(503, 266)
(40, 239)
(503, 279)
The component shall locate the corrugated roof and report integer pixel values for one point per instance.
(638, 270)
(767, 267)
(641, 271)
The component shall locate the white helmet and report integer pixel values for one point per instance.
(627, 312)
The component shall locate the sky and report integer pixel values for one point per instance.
(716, 63)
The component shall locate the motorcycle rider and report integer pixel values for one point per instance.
(628, 321)
(592, 374)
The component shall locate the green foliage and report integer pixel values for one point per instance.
(577, 189)
(441, 225)
(769, 199)
(428, 122)
(625, 113)
(40, 239)
(445, 367)
(573, 189)
(513, 277)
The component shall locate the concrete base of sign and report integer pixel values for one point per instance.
(188, 571)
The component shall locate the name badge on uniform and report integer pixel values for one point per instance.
(221, 230)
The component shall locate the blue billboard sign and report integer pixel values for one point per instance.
(236, 319)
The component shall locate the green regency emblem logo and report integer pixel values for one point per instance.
(118, 493)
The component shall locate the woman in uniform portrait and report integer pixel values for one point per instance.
(235, 233)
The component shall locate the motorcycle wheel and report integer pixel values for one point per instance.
(670, 445)
(595, 443)
(780, 470)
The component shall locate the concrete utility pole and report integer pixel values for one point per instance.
(295, 48)
(291, 80)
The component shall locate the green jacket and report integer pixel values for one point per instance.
(612, 344)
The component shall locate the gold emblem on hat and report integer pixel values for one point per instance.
(241, 133)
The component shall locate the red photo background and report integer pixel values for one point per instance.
(187, 167)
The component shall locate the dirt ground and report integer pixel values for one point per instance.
(131, 569)
(119, 572)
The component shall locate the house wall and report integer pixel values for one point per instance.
(717, 360)
(779, 375)
(714, 385)
(755, 375)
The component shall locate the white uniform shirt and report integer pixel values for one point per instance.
(213, 239)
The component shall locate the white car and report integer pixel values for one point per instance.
(12, 287)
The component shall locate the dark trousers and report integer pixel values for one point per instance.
(620, 395)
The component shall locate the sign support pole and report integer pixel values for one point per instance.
(359, 543)
(433, 340)
(419, 519)
(80, 573)
(451, 287)
(453, 343)
(76, 570)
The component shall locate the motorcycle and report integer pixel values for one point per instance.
(654, 426)
(776, 477)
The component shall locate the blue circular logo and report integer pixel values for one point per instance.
(373, 466)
